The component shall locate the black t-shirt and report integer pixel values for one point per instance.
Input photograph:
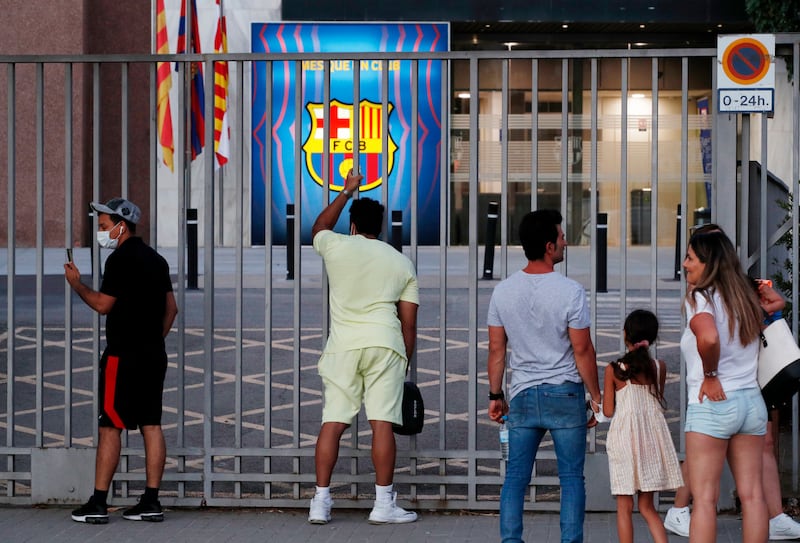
(138, 277)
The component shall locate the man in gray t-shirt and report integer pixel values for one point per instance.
(543, 318)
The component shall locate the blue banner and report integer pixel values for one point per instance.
(705, 146)
(346, 37)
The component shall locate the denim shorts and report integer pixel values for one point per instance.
(743, 412)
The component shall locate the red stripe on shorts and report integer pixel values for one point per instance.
(111, 387)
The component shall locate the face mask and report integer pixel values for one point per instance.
(105, 240)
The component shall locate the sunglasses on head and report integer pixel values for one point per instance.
(704, 228)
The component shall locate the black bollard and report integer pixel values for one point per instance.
(191, 247)
(602, 252)
(289, 241)
(491, 232)
(678, 251)
(397, 230)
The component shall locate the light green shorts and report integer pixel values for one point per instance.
(374, 375)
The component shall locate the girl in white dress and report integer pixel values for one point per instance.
(641, 455)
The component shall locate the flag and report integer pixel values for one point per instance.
(222, 135)
(164, 77)
(198, 99)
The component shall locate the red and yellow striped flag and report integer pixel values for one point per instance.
(164, 78)
(221, 130)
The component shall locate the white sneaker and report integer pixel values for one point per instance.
(320, 511)
(389, 513)
(783, 527)
(677, 521)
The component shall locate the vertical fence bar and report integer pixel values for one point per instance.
(795, 252)
(744, 207)
(623, 197)
(96, 143)
(504, 139)
(238, 159)
(593, 211)
(11, 168)
(685, 213)
(298, 211)
(209, 276)
(154, 131)
(472, 281)
(181, 164)
(327, 175)
(413, 215)
(565, 150)
(268, 302)
(39, 418)
(534, 133)
(385, 154)
(654, 185)
(123, 153)
(762, 215)
(444, 192)
(68, 231)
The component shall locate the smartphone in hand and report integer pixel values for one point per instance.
(69, 255)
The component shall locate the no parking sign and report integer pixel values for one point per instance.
(746, 73)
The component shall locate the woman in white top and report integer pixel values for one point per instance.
(726, 416)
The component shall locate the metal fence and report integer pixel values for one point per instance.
(242, 397)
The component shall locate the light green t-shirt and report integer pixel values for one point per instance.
(367, 278)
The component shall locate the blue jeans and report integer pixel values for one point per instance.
(561, 409)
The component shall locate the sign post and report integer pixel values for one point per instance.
(746, 73)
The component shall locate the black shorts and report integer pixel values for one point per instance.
(130, 389)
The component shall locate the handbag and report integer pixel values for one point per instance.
(778, 364)
(413, 411)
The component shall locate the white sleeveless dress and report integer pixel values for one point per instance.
(641, 455)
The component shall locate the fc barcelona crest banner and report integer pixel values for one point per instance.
(309, 130)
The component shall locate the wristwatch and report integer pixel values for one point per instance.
(497, 395)
(710, 373)
(347, 193)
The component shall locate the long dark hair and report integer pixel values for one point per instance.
(641, 331)
(723, 273)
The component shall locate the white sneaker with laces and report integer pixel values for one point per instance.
(783, 527)
(677, 521)
(387, 512)
(320, 511)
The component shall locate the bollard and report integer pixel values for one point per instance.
(289, 241)
(491, 232)
(602, 252)
(397, 230)
(678, 220)
(191, 248)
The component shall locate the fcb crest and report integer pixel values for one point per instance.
(341, 143)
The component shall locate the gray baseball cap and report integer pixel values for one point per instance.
(119, 206)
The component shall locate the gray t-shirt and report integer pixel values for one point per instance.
(536, 310)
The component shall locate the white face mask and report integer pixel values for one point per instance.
(105, 240)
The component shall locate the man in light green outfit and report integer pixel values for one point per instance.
(373, 304)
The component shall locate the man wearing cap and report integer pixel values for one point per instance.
(136, 297)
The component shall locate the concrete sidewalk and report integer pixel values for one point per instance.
(40, 524)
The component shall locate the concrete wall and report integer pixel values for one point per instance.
(71, 27)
